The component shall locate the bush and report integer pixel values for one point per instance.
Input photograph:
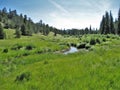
(98, 41)
(73, 44)
(108, 36)
(39, 51)
(104, 40)
(5, 50)
(80, 46)
(26, 54)
(16, 47)
(87, 46)
(92, 42)
(29, 47)
(24, 76)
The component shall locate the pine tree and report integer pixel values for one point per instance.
(118, 31)
(112, 29)
(102, 25)
(23, 30)
(90, 30)
(107, 29)
(2, 35)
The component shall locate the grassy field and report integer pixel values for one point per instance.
(31, 63)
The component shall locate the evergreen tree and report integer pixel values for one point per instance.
(90, 30)
(23, 30)
(107, 29)
(112, 29)
(2, 35)
(118, 31)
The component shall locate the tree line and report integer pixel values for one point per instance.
(26, 27)
(108, 25)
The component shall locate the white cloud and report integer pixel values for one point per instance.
(61, 8)
(83, 13)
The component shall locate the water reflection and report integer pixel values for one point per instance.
(71, 50)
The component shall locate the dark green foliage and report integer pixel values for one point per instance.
(102, 25)
(2, 35)
(5, 50)
(112, 29)
(107, 24)
(23, 77)
(81, 46)
(73, 44)
(23, 30)
(87, 47)
(16, 47)
(92, 41)
(118, 31)
(26, 54)
(104, 40)
(30, 47)
(107, 29)
(98, 41)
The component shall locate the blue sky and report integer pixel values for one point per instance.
(64, 13)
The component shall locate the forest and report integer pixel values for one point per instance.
(33, 55)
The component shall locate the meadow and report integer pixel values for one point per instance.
(32, 62)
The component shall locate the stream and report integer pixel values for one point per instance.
(71, 50)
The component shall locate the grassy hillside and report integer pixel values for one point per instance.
(31, 63)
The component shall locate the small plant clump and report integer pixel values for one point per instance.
(5, 50)
(30, 47)
(92, 41)
(82, 45)
(24, 76)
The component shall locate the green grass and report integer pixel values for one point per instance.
(95, 69)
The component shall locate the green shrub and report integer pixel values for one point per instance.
(30, 47)
(80, 46)
(108, 36)
(104, 40)
(92, 41)
(98, 41)
(16, 47)
(73, 44)
(87, 46)
(26, 54)
(24, 76)
(5, 50)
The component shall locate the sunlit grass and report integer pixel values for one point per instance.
(95, 69)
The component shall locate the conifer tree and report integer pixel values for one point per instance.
(118, 30)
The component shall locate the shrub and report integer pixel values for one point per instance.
(108, 36)
(98, 41)
(5, 50)
(29, 47)
(73, 44)
(39, 51)
(80, 46)
(24, 76)
(104, 40)
(87, 46)
(26, 54)
(16, 47)
(92, 42)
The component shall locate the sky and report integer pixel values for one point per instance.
(64, 13)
